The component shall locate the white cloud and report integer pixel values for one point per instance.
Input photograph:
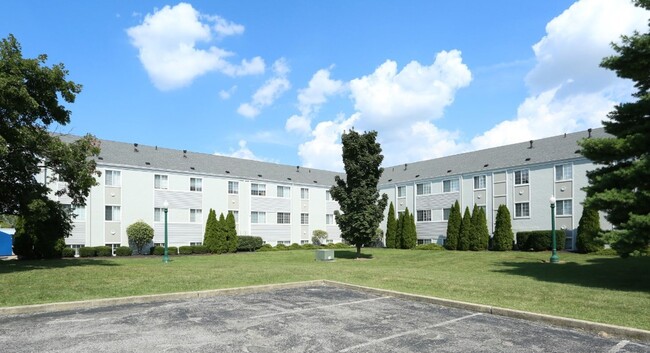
(324, 149)
(420, 141)
(224, 27)
(299, 124)
(270, 91)
(167, 47)
(244, 152)
(226, 94)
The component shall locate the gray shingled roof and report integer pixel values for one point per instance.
(556, 148)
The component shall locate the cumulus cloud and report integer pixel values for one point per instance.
(269, 92)
(226, 94)
(167, 42)
(324, 149)
(243, 152)
(420, 141)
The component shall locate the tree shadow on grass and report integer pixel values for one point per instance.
(631, 274)
(32, 265)
(350, 254)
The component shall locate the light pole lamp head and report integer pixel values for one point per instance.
(552, 200)
(166, 204)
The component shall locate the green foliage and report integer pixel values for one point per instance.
(231, 232)
(474, 236)
(8, 221)
(222, 245)
(409, 237)
(158, 250)
(200, 249)
(294, 246)
(466, 231)
(319, 237)
(309, 247)
(249, 243)
(139, 234)
(185, 250)
(104, 251)
(123, 251)
(267, 247)
(172, 250)
(87, 251)
(540, 240)
(377, 241)
(391, 227)
(281, 247)
(211, 237)
(481, 228)
(358, 196)
(588, 229)
(606, 252)
(29, 110)
(399, 233)
(431, 246)
(503, 237)
(68, 252)
(620, 185)
(453, 227)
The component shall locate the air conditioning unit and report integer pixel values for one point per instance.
(324, 255)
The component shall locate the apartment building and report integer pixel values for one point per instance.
(285, 204)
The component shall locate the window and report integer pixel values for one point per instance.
(195, 243)
(233, 187)
(160, 182)
(303, 242)
(284, 242)
(401, 191)
(158, 214)
(76, 248)
(258, 189)
(522, 209)
(304, 193)
(196, 184)
(563, 172)
(196, 215)
(328, 196)
(330, 241)
(284, 191)
(78, 213)
(258, 217)
(284, 218)
(450, 185)
(112, 213)
(112, 178)
(479, 182)
(113, 247)
(423, 189)
(445, 214)
(424, 241)
(235, 214)
(329, 219)
(424, 215)
(564, 208)
(521, 177)
(304, 218)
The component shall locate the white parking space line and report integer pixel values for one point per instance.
(286, 312)
(618, 346)
(408, 332)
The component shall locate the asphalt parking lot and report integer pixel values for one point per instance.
(304, 319)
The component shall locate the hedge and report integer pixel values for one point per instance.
(185, 250)
(309, 247)
(267, 247)
(540, 240)
(68, 252)
(200, 249)
(429, 247)
(249, 243)
(281, 247)
(87, 251)
(123, 251)
(104, 251)
(294, 246)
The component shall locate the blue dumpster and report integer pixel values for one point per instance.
(5, 244)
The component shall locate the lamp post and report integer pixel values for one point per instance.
(554, 258)
(166, 255)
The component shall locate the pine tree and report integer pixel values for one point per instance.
(503, 236)
(620, 186)
(410, 237)
(588, 230)
(482, 230)
(465, 231)
(453, 227)
(474, 237)
(391, 227)
(399, 234)
(231, 227)
(222, 235)
(211, 229)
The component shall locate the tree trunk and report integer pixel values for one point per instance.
(358, 251)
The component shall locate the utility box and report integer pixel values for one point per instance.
(324, 255)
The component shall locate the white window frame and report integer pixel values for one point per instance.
(565, 170)
(283, 191)
(161, 182)
(450, 185)
(304, 218)
(480, 182)
(233, 187)
(304, 193)
(258, 189)
(158, 214)
(423, 215)
(258, 217)
(115, 178)
(423, 189)
(329, 219)
(445, 213)
(114, 247)
(401, 191)
(115, 213)
(283, 242)
(328, 195)
(564, 207)
(283, 218)
(522, 172)
(196, 215)
(519, 212)
(303, 242)
(196, 184)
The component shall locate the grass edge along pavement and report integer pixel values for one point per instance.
(593, 288)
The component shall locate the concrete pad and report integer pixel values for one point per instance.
(299, 319)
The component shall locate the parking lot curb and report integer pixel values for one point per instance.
(594, 327)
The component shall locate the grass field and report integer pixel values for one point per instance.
(595, 288)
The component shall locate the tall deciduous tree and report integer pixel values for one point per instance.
(358, 196)
(464, 239)
(453, 227)
(391, 227)
(503, 236)
(29, 106)
(621, 186)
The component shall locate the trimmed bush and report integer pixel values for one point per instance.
(68, 252)
(200, 249)
(606, 252)
(281, 247)
(158, 250)
(267, 247)
(588, 230)
(140, 234)
(309, 247)
(185, 250)
(104, 251)
(503, 237)
(540, 240)
(429, 247)
(123, 251)
(294, 246)
(87, 251)
(172, 250)
(249, 243)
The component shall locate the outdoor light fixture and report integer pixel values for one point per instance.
(166, 255)
(554, 258)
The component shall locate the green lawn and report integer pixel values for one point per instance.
(596, 288)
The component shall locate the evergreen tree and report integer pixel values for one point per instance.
(222, 235)
(620, 186)
(474, 237)
(503, 236)
(399, 234)
(588, 230)
(465, 231)
(391, 227)
(362, 209)
(211, 230)
(453, 227)
(231, 235)
(482, 230)
(409, 234)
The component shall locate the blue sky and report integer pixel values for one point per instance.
(280, 80)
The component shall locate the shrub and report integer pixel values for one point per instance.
(503, 236)
(453, 227)
(606, 252)
(309, 247)
(200, 249)
(588, 230)
(140, 234)
(540, 240)
(185, 250)
(216, 233)
(294, 246)
(158, 250)
(249, 243)
(68, 252)
(391, 227)
(231, 232)
(429, 247)
(267, 247)
(123, 251)
(104, 251)
(281, 247)
(318, 237)
(172, 250)
(466, 231)
(409, 232)
(87, 251)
